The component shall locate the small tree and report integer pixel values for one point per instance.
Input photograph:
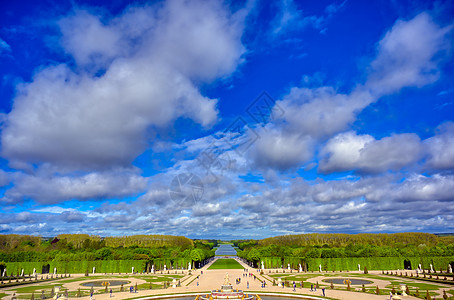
(444, 295)
(377, 291)
(348, 285)
(393, 291)
(78, 293)
(417, 292)
(365, 270)
(363, 288)
(135, 288)
(121, 288)
(33, 296)
(332, 286)
(428, 296)
(86, 272)
(52, 293)
(407, 290)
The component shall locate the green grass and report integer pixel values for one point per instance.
(225, 263)
(3, 295)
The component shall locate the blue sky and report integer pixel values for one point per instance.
(241, 119)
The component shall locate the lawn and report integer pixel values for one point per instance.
(225, 263)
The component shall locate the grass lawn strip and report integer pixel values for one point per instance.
(225, 263)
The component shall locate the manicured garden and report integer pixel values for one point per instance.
(226, 263)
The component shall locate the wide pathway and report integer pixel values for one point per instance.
(204, 280)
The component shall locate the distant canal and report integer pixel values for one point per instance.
(227, 250)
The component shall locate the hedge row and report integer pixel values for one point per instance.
(71, 267)
(102, 266)
(351, 263)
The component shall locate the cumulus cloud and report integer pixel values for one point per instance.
(77, 120)
(349, 151)
(440, 148)
(408, 55)
(50, 189)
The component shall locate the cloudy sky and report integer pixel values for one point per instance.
(226, 119)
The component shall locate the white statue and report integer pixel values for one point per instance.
(34, 272)
(301, 269)
(152, 269)
(320, 268)
(449, 268)
(226, 279)
(420, 267)
(55, 271)
(56, 290)
(431, 268)
(263, 266)
(94, 269)
(165, 268)
(132, 270)
(359, 267)
(189, 266)
(288, 266)
(22, 273)
(403, 288)
(4, 272)
(174, 283)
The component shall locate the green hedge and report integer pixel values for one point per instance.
(71, 267)
(351, 263)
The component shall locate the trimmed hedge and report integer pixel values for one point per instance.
(71, 267)
(351, 263)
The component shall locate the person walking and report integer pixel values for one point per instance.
(294, 286)
(110, 293)
(323, 291)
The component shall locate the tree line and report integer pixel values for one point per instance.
(346, 245)
(83, 247)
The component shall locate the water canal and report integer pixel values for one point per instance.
(226, 250)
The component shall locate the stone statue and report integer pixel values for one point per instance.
(4, 272)
(165, 268)
(55, 271)
(132, 270)
(189, 266)
(94, 268)
(34, 272)
(449, 268)
(22, 273)
(226, 279)
(359, 267)
(263, 266)
(288, 266)
(301, 269)
(403, 288)
(431, 268)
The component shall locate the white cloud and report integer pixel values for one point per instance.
(348, 151)
(440, 148)
(5, 48)
(407, 55)
(79, 121)
(50, 189)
